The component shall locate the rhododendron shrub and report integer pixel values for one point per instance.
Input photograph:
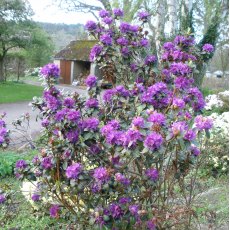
(116, 159)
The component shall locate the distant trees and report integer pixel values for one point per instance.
(18, 32)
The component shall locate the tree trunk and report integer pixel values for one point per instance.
(198, 77)
(160, 25)
(172, 12)
(2, 69)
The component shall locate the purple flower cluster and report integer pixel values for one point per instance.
(122, 41)
(92, 103)
(152, 174)
(122, 179)
(2, 199)
(190, 135)
(35, 197)
(118, 12)
(180, 69)
(153, 141)
(69, 102)
(91, 26)
(47, 163)
(3, 132)
(54, 209)
(95, 52)
(156, 95)
(103, 13)
(73, 171)
(108, 20)
(203, 123)
(184, 41)
(21, 164)
(125, 27)
(91, 81)
(150, 59)
(72, 136)
(208, 48)
(143, 16)
(101, 174)
(138, 122)
(157, 118)
(179, 127)
(90, 123)
(195, 98)
(106, 39)
(50, 70)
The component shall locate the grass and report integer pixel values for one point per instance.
(16, 91)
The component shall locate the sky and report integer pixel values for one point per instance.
(46, 11)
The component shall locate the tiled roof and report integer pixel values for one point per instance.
(76, 50)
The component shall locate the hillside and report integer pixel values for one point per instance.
(62, 34)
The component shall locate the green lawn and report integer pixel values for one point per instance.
(17, 91)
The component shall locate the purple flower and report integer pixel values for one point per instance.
(124, 27)
(196, 99)
(2, 198)
(73, 171)
(101, 174)
(208, 48)
(106, 39)
(103, 13)
(134, 209)
(138, 122)
(69, 102)
(122, 179)
(115, 211)
(114, 123)
(52, 103)
(47, 163)
(144, 42)
(91, 26)
(153, 141)
(92, 103)
(190, 135)
(73, 115)
(122, 91)
(150, 59)
(133, 67)
(150, 225)
(179, 127)
(143, 16)
(152, 174)
(60, 115)
(178, 103)
(94, 149)
(180, 69)
(131, 137)
(54, 209)
(90, 123)
(108, 20)
(108, 94)
(183, 83)
(168, 46)
(21, 164)
(195, 151)
(36, 160)
(124, 200)
(118, 12)
(50, 70)
(91, 81)
(95, 52)
(35, 197)
(125, 51)
(157, 118)
(122, 41)
(134, 28)
(72, 136)
(45, 123)
(184, 41)
(203, 123)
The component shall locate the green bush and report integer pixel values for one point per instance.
(8, 160)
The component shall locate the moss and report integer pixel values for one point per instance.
(76, 50)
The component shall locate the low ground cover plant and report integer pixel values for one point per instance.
(117, 159)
